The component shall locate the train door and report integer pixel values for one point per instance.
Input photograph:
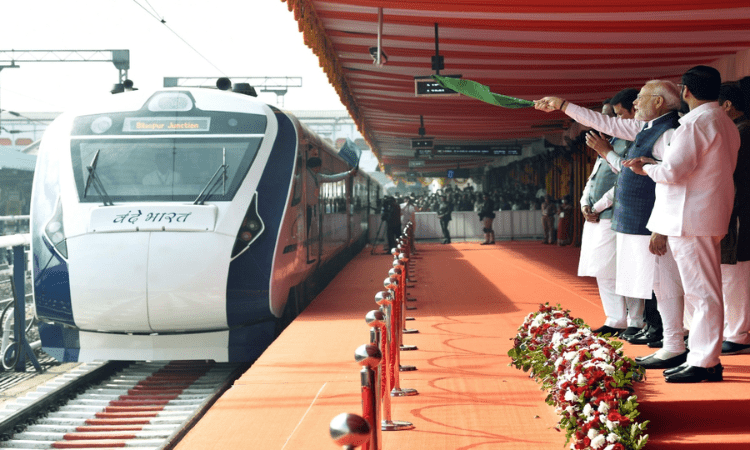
(312, 199)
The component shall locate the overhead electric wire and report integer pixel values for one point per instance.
(155, 15)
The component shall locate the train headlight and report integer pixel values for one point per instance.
(101, 124)
(252, 227)
(170, 101)
(54, 231)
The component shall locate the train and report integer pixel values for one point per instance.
(185, 224)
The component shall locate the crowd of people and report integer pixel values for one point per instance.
(556, 213)
(664, 208)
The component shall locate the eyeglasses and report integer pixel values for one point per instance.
(641, 97)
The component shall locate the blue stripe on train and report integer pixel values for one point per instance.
(250, 274)
(60, 342)
(51, 284)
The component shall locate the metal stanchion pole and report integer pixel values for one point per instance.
(349, 431)
(385, 300)
(395, 340)
(403, 261)
(369, 357)
(400, 265)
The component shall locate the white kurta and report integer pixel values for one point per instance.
(694, 195)
(635, 266)
(598, 248)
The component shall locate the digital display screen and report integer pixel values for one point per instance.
(477, 150)
(151, 124)
(426, 86)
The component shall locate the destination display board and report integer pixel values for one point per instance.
(458, 173)
(476, 150)
(426, 86)
(423, 142)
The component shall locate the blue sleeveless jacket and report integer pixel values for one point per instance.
(634, 194)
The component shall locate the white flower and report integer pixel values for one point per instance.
(611, 425)
(608, 369)
(601, 353)
(581, 379)
(570, 409)
(603, 408)
(570, 396)
(570, 355)
(598, 442)
(613, 438)
(592, 433)
(610, 447)
(587, 410)
(558, 362)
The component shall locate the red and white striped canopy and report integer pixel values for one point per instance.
(582, 50)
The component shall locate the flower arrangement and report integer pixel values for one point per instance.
(587, 378)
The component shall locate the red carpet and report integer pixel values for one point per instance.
(471, 300)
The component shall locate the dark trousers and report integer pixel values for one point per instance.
(444, 227)
(651, 315)
(391, 233)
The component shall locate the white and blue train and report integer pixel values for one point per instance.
(184, 224)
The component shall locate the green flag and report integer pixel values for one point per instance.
(481, 92)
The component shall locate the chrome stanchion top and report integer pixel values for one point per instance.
(384, 298)
(368, 355)
(375, 318)
(349, 430)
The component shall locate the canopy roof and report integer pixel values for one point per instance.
(582, 50)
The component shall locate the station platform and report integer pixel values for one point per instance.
(470, 301)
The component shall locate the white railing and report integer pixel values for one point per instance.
(466, 225)
(13, 224)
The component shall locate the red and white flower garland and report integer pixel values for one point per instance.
(587, 378)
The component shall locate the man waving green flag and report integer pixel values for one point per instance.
(481, 92)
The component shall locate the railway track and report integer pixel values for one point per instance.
(145, 405)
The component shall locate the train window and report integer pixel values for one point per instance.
(163, 169)
(297, 187)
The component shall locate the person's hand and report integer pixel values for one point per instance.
(586, 210)
(354, 171)
(593, 218)
(549, 104)
(658, 244)
(636, 164)
(599, 143)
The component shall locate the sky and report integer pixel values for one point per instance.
(228, 38)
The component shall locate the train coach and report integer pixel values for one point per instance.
(184, 224)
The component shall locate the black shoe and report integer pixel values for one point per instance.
(652, 362)
(629, 333)
(604, 329)
(676, 369)
(731, 348)
(640, 333)
(484, 243)
(656, 344)
(693, 374)
(644, 337)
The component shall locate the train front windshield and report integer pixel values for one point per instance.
(162, 169)
(148, 157)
